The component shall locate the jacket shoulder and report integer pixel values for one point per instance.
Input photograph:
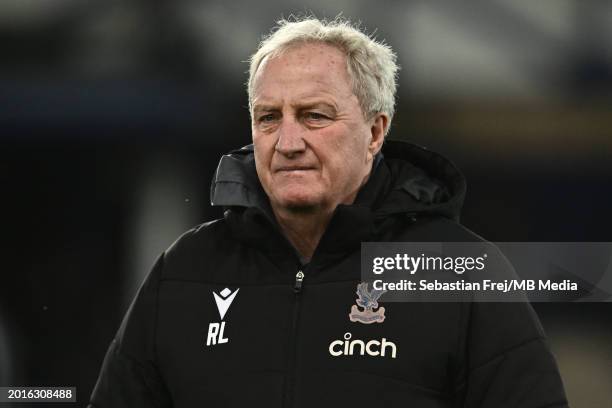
(196, 248)
(430, 228)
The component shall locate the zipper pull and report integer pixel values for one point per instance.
(299, 277)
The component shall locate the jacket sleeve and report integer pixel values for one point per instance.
(129, 376)
(508, 360)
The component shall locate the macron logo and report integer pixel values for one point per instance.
(216, 331)
(224, 300)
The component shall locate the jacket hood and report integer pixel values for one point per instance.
(406, 179)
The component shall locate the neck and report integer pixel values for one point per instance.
(303, 229)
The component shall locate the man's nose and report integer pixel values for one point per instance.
(290, 137)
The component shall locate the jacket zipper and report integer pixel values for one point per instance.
(291, 369)
(297, 286)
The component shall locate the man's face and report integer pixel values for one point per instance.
(313, 147)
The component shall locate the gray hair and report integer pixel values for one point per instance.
(371, 64)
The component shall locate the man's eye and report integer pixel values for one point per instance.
(315, 116)
(267, 118)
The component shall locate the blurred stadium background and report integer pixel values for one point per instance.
(113, 115)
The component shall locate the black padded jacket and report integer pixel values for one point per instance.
(229, 317)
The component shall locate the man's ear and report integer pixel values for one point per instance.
(378, 130)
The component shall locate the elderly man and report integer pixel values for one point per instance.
(253, 309)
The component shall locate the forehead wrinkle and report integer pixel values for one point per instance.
(298, 62)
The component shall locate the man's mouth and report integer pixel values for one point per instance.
(294, 168)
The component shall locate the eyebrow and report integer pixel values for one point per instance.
(316, 104)
(257, 109)
(298, 106)
(265, 107)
